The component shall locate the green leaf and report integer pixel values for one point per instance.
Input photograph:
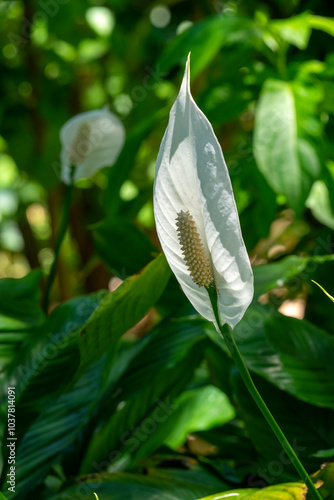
(139, 411)
(57, 428)
(204, 40)
(294, 30)
(292, 354)
(170, 485)
(20, 301)
(320, 204)
(288, 162)
(122, 309)
(132, 251)
(277, 274)
(322, 23)
(307, 428)
(269, 276)
(287, 491)
(47, 362)
(2, 497)
(198, 410)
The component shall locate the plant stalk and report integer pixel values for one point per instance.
(60, 238)
(237, 358)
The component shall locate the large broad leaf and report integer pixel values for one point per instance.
(287, 160)
(47, 363)
(122, 246)
(138, 413)
(295, 30)
(56, 368)
(198, 410)
(56, 429)
(122, 309)
(205, 39)
(287, 491)
(307, 428)
(292, 354)
(163, 485)
(277, 274)
(49, 357)
(273, 275)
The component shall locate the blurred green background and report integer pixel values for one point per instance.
(63, 57)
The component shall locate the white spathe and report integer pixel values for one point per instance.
(191, 175)
(90, 141)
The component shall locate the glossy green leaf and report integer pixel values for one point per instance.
(308, 429)
(56, 429)
(287, 491)
(122, 309)
(275, 274)
(294, 30)
(322, 23)
(287, 160)
(141, 409)
(173, 485)
(47, 362)
(320, 204)
(198, 410)
(292, 354)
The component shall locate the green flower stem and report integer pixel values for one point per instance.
(237, 358)
(61, 234)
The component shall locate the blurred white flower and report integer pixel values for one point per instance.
(90, 141)
(196, 216)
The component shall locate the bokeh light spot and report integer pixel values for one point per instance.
(160, 16)
(101, 20)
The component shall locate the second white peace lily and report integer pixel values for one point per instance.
(196, 216)
(90, 141)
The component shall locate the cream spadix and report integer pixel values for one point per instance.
(196, 216)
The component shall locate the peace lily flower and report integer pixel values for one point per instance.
(90, 141)
(196, 216)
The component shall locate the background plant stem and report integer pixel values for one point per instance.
(248, 381)
(60, 237)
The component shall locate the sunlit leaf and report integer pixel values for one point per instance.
(288, 162)
(288, 491)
